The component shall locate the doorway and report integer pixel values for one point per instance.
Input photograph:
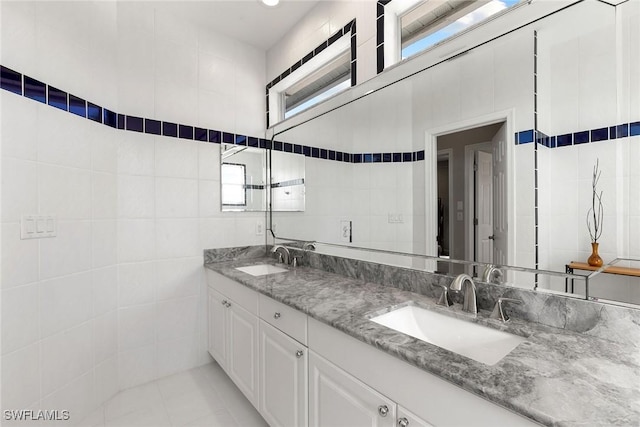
(477, 207)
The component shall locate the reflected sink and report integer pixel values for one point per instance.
(261, 269)
(477, 342)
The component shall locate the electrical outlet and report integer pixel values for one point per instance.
(395, 218)
(260, 228)
(345, 231)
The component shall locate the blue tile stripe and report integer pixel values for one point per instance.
(350, 29)
(13, 81)
(608, 133)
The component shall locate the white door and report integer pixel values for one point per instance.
(484, 206)
(500, 199)
(243, 351)
(337, 399)
(217, 312)
(283, 379)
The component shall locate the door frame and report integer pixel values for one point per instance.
(447, 154)
(431, 174)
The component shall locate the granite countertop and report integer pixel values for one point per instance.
(555, 377)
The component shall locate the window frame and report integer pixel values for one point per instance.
(341, 42)
(244, 185)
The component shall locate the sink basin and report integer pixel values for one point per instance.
(261, 269)
(477, 342)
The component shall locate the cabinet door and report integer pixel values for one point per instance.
(217, 312)
(283, 379)
(408, 419)
(338, 399)
(243, 351)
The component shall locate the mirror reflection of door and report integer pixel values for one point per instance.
(477, 200)
(483, 197)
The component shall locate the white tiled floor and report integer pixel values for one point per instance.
(202, 397)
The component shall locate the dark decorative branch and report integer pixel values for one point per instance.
(597, 209)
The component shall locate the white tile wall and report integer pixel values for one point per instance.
(21, 375)
(66, 356)
(64, 302)
(20, 317)
(95, 311)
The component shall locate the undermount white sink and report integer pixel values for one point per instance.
(261, 269)
(477, 342)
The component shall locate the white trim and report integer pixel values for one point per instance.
(393, 29)
(431, 141)
(447, 154)
(276, 92)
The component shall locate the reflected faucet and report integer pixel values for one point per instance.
(492, 274)
(283, 253)
(465, 284)
(309, 246)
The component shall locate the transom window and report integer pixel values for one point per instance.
(332, 78)
(430, 23)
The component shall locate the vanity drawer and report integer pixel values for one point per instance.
(240, 294)
(289, 320)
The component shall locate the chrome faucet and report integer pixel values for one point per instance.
(444, 296)
(309, 246)
(465, 284)
(499, 311)
(283, 253)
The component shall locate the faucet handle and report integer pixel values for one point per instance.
(498, 311)
(444, 296)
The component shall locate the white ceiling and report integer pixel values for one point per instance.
(246, 20)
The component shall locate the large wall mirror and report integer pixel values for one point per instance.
(488, 155)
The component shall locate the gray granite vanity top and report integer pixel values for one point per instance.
(556, 377)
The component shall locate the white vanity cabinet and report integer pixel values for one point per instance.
(298, 371)
(283, 378)
(233, 333)
(338, 399)
(283, 364)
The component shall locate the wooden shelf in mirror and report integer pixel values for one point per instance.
(624, 271)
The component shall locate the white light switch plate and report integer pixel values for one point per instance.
(38, 226)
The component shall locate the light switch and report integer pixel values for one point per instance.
(37, 226)
(30, 224)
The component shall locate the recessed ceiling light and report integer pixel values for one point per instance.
(271, 3)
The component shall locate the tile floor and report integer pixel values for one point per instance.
(200, 397)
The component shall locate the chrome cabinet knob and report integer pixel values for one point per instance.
(383, 410)
(403, 422)
(276, 315)
(299, 353)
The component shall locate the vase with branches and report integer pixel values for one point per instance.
(595, 216)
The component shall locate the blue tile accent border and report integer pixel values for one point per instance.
(16, 83)
(10, 80)
(349, 28)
